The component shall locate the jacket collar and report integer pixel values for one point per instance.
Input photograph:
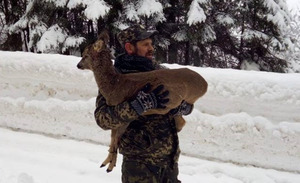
(125, 63)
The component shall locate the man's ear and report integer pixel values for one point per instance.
(129, 48)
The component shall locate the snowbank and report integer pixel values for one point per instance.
(246, 117)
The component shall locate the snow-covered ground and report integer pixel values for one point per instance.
(246, 117)
(32, 158)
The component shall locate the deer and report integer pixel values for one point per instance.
(182, 84)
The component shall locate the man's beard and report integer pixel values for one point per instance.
(148, 55)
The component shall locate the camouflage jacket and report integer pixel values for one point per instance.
(149, 139)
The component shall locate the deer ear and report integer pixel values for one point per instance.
(104, 35)
(98, 45)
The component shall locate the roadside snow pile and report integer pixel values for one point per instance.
(246, 117)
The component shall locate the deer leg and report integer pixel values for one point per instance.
(113, 152)
(113, 162)
(111, 159)
(113, 148)
(179, 122)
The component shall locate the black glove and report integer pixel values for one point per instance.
(146, 100)
(183, 109)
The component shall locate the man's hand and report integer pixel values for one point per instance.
(146, 100)
(183, 109)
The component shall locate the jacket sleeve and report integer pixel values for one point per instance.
(112, 117)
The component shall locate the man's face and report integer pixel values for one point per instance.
(144, 48)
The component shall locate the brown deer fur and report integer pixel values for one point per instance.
(182, 84)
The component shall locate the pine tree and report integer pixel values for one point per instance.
(58, 26)
(209, 33)
(35, 21)
(10, 12)
(293, 56)
(215, 33)
(231, 32)
(263, 24)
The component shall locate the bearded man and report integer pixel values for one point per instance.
(150, 145)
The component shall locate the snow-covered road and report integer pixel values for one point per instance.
(34, 158)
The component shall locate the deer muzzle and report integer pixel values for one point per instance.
(80, 66)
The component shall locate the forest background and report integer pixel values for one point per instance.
(254, 34)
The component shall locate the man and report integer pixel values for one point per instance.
(150, 143)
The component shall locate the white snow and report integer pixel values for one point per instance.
(196, 13)
(225, 19)
(72, 42)
(58, 3)
(250, 118)
(144, 8)
(94, 9)
(130, 12)
(294, 6)
(51, 39)
(149, 7)
(32, 158)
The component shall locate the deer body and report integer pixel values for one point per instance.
(182, 84)
(121, 87)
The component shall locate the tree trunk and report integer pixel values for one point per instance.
(161, 55)
(172, 53)
(6, 12)
(173, 48)
(187, 53)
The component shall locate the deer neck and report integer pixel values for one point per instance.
(105, 74)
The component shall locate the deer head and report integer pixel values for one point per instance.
(91, 52)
